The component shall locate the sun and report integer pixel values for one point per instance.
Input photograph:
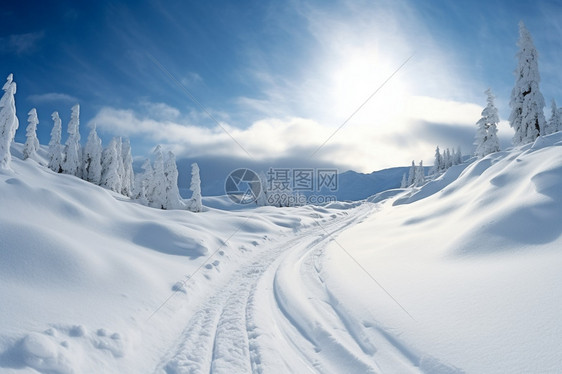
(366, 79)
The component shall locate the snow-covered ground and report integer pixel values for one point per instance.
(461, 275)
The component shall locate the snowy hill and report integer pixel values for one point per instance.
(470, 264)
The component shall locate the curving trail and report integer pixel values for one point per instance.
(275, 315)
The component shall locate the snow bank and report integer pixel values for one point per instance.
(474, 257)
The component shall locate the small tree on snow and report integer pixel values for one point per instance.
(72, 163)
(55, 147)
(412, 174)
(527, 102)
(419, 178)
(92, 158)
(8, 121)
(196, 204)
(486, 139)
(157, 192)
(437, 163)
(173, 198)
(143, 183)
(110, 177)
(458, 156)
(31, 145)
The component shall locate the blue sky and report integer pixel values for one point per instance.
(279, 76)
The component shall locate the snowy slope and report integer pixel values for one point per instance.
(82, 269)
(476, 264)
(470, 264)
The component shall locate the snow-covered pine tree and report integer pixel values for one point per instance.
(419, 175)
(412, 174)
(486, 140)
(157, 192)
(173, 198)
(437, 162)
(404, 182)
(448, 159)
(92, 169)
(110, 177)
(554, 121)
(196, 203)
(458, 157)
(8, 121)
(527, 102)
(143, 183)
(55, 147)
(128, 179)
(31, 145)
(72, 163)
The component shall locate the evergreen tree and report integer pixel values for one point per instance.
(486, 140)
(128, 174)
(554, 121)
(437, 163)
(72, 163)
(31, 145)
(157, 192)
(419, 175)
(458, 156)
(110, 177)
(143, 183)
(196, 204)
(8, 121)
(412, 174)
(173, 198)
(92, 170)
(527, 102)
(55, 147)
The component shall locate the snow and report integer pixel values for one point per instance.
(459, 275)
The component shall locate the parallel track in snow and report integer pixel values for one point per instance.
(275, 315)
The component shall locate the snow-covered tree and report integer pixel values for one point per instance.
(457, 160)
(173, 198)
(143, 183)
(157, 190)
(412, 174)
(553, 124)
(404, 182)
(527, 102)
(128, 177)
(72, 163)
(486, 140)
(92, 158)
(31, 145)
(196, 204)
(110, 177)
(419, 175)
(8, 121)
(438, 162)
(55, 147)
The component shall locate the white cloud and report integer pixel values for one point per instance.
(364, 145)
(52, 97)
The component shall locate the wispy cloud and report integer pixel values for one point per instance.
(21, 43)
(52, 97)
(365, 147)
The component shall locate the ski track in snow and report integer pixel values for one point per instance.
(276, 315)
